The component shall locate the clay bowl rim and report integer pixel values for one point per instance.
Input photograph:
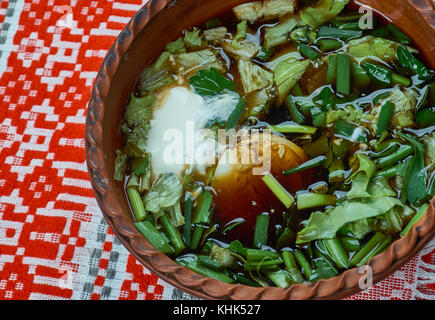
(340, 286)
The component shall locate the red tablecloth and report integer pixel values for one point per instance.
(54, 242)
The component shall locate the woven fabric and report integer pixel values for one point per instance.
(54, 241)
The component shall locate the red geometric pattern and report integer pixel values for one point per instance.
(54, 243)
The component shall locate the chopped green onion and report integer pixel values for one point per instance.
(397, 34)
(280, 278)
(369, 249)
(350, 131)
(309, 52)
(208, 262)
(312, 163)
(172, 233)
(350, 244)
(348, 16)
(259, 255)
(378, 73)
(278, 190)
(313, 200)
(317, 148)
(387, 173)
(286, 238)
(265, 54)
(187, 228)
(202, 211)
(400, 80)
(337, 252)
(261, 230)
(154, 236)
(407, 60)
(289, 127)
(385, 116)
(293, 110)
(426, 117)
(198, 230)
(331, 71)
(195, 266)
(343, 74)
(390, 160)
(136, 203)
(329, 44)
(420, 213)
(360, 78)
(292, 267)
(303, 263)
(329, 32)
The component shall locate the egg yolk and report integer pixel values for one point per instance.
(242, 194)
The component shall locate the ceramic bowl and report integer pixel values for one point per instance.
(145, 36)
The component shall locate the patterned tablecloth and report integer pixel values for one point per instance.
(54, 241)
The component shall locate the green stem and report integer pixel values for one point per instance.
(343, 74)
(196, 237)
(420, 213)
(278, 190)
(173, 234)
(387, 173)
(390, 160)
(369, 249)
(385, 116)
(337, 252)
(156, 239)
(293, 110)
(303, 263)
(329, 44)
(331, 71)
(187, 228)
(312, 163)
(261, 230)
(207, 262)
(194, 266)
(280, 278)
(292, 267)
(136, 203)
(350, 244)
(288, 127)
(313, 200)
(258, 255)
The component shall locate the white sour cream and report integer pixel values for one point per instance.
(176, 139)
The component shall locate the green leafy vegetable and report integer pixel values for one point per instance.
(165, 193)
(211, 82)
(417, 180)
(120, 166)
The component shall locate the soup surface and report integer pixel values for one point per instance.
(283, 142)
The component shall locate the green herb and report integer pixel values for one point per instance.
(120, 166)
(293, 110)
(280, 278)
(350, 131)
(278, 190)
(156, 239)
(289, 127)
(165, 193)
(343, 74)
(417, 180)
(303, 263)
(407, 60)
(312, 200)
(187, 228)
(331, 71)
(136, 203)
(329, 32)
(261, 230)
(426, 117)
(195, 266)
(385, 116)
(211, 82)
(173, 234)
(420, 213)
(309, 52)
(312, 163)
(378, 73)
(329, 44)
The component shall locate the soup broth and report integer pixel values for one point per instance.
(283, 142)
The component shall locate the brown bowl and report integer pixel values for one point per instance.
(145, 36)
